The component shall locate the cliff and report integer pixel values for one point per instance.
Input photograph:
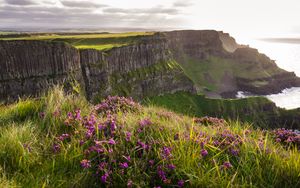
(220, 67)
(29, 68)
(138, 70)
(208, 61)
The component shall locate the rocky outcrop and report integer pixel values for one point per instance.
(228, 42)
(31, 67)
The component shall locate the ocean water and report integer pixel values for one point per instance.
(287, 57)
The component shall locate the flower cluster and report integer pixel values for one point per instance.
(287, 136)
(228, 141)
(109, 152)
(209, 121)
(114, 104)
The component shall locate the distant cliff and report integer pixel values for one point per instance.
(220, 67)
(209, 61)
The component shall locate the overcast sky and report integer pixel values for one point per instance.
(240, 17)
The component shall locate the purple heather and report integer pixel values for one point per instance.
(85, 163)
(227, 164)
(180, 183)
(204, 152)
(111, 141)
(104, 178)
(124, 165)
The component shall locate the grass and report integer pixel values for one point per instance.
(100, 47)
(27, 137)
(101, 41)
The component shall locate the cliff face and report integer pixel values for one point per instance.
(161, 63)
(31, 67)
(220, 67)
(195, 44)
(139, 70)
(273, 81)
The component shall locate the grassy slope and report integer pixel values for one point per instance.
(259, 110)
(260, 163)
(216, 68)
(103, 41)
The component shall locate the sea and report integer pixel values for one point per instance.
(287, 56)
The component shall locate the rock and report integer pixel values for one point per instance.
(31, 67)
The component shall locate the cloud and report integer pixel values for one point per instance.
(82, 4)
(182, 3)
(154, 10)
(84, 14)
(20, 2)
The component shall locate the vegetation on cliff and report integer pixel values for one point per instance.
(63, 141)
(98, 41)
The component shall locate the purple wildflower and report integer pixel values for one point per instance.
(128, 136)
(143, 145)
(88, 134)
(97, 149)
(227, 164)
(104, 178)
(42, 115)
(145, 122)
(70, 115)
(234, 152)
(101, 127)
(112, 125)
(56, 148)
(129, 183)
(85, 163)
(111, 141)
(63, 137)
(180, 183)
(204, 152)
(56, 113)
(102, 166)
(161, 173)
(78, 115)
(171, 166)
(124, 165)
(151, 162)
(166, 152)
(128, 158)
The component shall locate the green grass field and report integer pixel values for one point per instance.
(104, 41)
(48, 142)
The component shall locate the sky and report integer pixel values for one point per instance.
(261, 18)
